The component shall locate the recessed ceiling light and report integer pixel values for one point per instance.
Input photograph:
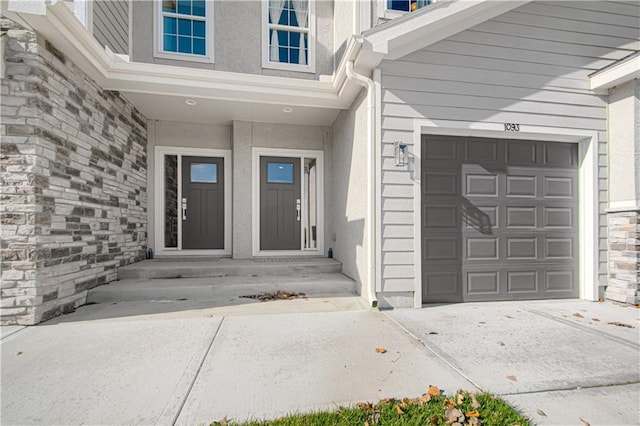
(190, 102)
(288, 110)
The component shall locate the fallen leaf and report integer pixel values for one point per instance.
(454, 415)
(460, 398)
(424, 398)
(364, 405)
(501, 343)
(433, 391)
(375, 417)
(541, 413)
(481, 322)
(434, 420)
(19, 353)
(595, 319)
(512, 378)
(620, 324)
(474, 401)
(432, 332)
(473, 413)
(399, 410)
(578, 315)
(450, 402)
(584, 422)
(381, 350)
(473, 421)
(508, 316)
(387, 400)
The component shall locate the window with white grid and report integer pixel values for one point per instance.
(289, 34)
(184, 28)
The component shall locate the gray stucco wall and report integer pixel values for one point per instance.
(237, 39)
(73, 182)
(111, 24)
(529, 66)
(180, 135)
(349, 191)
(623, 145)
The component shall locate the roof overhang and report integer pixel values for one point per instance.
(618, 73)
(417, 30)
(160, 91)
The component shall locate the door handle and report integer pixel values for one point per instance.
(184, 209)
(298, 208)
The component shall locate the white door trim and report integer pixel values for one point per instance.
(160, 152)
(255, 211)
(588, 259)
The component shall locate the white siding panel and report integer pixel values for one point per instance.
(395, 258)
(500, 45)
(528, 66)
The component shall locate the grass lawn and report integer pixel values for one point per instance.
(432, 408)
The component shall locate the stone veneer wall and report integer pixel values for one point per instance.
(624, 257)
(72, 182)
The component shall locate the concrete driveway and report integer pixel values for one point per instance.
(557, 361)
(179, 362)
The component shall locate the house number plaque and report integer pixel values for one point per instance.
(511, 127)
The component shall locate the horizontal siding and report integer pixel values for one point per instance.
(528, 66)
(111, 24)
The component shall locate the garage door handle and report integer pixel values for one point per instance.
(298, 208)
(184, 209)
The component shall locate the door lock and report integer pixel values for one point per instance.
(184, 209)
(298, 209)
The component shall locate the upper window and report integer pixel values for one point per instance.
(407, 5)
(289, 34)
(184, 28)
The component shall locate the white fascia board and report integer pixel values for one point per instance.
(116, 72)
(615, 74)
(417, 30)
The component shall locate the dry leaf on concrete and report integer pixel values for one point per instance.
(578, 315)
(381, 350)
(541, 413)
(512, 378)
(620, 324)
(584, 422)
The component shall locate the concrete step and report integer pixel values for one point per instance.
(222, 290)
(225, 267)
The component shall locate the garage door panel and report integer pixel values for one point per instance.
(511, 231)
(521, 153)
(558, 187)
(440, 183)
(477, 185)
(441, 148)
(521, 186)
(482, 151)
(441, 248)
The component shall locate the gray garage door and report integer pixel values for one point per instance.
(499, 219)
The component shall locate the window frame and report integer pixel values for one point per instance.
(385, 12)
(158, 29)
(311, 32)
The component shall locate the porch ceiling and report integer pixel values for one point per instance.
(223, 111)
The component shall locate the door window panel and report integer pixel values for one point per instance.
(204, 173)
(171, 201)
(279, 172)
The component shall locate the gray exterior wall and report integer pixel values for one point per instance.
(528, 66)
(111, 24)
(182, 135)
(247, 135)
(234, 21)
(72, 182)
(343, 24)
(349, 191)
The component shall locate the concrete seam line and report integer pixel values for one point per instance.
(438, 355)
(195, 376)
(574, 388)
(584, 328)
(14, 333)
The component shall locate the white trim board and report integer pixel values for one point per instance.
(587, 188)
(256, 153)
(158, 214)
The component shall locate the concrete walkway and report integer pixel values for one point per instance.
(178, 362)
